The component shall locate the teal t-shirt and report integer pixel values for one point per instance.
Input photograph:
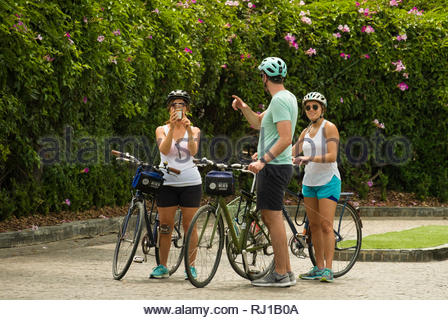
(283, 107)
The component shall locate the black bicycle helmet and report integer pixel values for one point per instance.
(178, 94)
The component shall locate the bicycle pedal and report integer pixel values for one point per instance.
(138, 259)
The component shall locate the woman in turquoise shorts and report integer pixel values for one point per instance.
(321, 186)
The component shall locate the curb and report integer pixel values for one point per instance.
(404, 255)
(402, 212)
(95, 227)
(85, 228)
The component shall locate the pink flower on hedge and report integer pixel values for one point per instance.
(367, 29)
(395, 3)
(84, 99)
(415, 11)
(200, 21)
(370, 183)
(67, 202)
(399, 66)
(116, 32)
(341, 100)
(337, 35)
(39, 37)
(149, 37)
(365, 56)
(34, 227)
(224, 66)
(85, 19)
(188, 50)
(301, 3)
(406, 75)
(85, 170)
(357, 4)
(306, 20)
(402, 86)
(156, 11)
(344, 55)
(343, 28)
(227, 25)
(251, 5)
(378, 124)
(67, 35)
(100, 39)
(402, 37)
(310, 52)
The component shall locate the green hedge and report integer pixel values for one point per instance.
(104, 68)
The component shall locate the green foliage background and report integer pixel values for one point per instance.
(55, 72)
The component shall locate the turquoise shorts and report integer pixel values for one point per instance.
(331, 190)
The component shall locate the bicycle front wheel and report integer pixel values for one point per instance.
(347, 230)
(203, 245)
(175, 254)
(127, 240)
(257, 249)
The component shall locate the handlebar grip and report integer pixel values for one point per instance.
(174, 170)
(116, 153)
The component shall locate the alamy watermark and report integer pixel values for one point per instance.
(396, 150)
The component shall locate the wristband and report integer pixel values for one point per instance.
(263, 160)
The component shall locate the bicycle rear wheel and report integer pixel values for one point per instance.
(259, 252)
(175, 254)
(347, 229)
(127, 240)
(203, 245)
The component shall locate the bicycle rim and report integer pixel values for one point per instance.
(259, 252)
(203, 245)
(348, 239)
(127, 240)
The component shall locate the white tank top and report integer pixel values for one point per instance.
(318, 174)
(179, 158)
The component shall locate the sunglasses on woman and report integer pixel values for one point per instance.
(315, 107)
(180, 104)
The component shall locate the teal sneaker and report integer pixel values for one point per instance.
(160, 272)
(327, 275)
(193, 273)
(313, 274)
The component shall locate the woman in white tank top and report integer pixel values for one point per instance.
(321, 185)
(178, 142)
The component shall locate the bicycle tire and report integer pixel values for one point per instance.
(129, 233)
(259, 252)
(347, 226)
(206, 255)
(175, 254)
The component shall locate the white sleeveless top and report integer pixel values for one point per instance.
(179, 158)
(318, 174)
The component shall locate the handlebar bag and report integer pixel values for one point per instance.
(219, 183)
(148, 181)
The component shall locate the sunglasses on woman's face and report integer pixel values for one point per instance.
(180, 104)
(315, 107)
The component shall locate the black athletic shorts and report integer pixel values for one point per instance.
(189, 196)
(272, 181)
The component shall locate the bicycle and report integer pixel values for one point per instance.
(147, 181)
(247, 241)
(347, 228)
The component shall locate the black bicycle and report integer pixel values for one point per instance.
(147, 181)
(347, 228)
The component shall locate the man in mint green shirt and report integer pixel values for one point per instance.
(273, 163)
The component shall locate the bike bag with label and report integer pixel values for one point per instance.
(219, 183)
(148, 181)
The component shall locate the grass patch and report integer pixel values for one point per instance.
(420, 237)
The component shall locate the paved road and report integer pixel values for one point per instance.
(81, 269)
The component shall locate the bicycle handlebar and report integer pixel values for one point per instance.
(234, 166)
(125, 156)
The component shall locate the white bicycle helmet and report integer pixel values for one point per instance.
(314, 96)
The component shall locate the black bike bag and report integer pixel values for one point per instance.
(219, 183)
